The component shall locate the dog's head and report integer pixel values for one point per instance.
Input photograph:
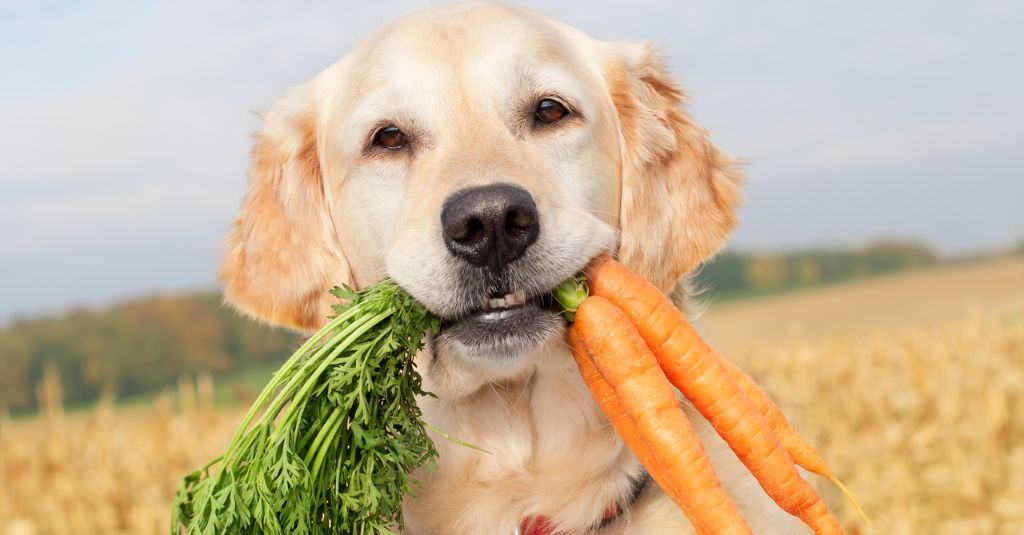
(479, 155)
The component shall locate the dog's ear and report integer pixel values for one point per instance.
(283, 254)
(679, 192)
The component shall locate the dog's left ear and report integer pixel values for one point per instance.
(679, 192)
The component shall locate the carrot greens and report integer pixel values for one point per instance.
(330, 444)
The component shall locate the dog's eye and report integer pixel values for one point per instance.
(550, 111)
(390, 137)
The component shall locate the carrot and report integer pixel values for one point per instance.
(802, 452)
(624, 425)
(609, 402)
(696, 370)
(663, 434)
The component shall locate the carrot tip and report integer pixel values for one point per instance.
(849, 495)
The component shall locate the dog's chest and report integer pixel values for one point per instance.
(551, 454)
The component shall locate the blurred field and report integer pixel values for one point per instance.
(924, 424)
(919, 297)
(110, 470)
(912, 385)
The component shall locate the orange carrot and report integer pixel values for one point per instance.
(663, 431)
(696, 370)
(609, 402)
(624, 425)
(802, 452)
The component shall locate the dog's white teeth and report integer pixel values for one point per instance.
(516, 298)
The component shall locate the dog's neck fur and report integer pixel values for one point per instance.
(535, 425)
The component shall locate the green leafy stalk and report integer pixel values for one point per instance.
(331, 443)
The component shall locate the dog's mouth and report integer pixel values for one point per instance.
(505, 323)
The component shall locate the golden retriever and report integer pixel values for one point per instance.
(479, 154)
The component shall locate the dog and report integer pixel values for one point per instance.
(480, 154)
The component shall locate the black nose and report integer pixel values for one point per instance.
(490, 225)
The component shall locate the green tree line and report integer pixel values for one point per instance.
(739, 274)
(134, 347)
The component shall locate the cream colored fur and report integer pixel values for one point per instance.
(631, 173)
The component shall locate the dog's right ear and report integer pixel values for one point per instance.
(283, 255)
(679, 191)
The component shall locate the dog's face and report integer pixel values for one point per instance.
(479, 180)
(479, 155)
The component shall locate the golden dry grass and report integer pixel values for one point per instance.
(108, 471)
(928, 296)
(924, 423)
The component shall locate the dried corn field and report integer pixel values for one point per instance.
(108, 470)
(924, 423)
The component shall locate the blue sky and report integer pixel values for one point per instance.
(126, 125)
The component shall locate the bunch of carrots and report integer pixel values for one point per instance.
(632, 346)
